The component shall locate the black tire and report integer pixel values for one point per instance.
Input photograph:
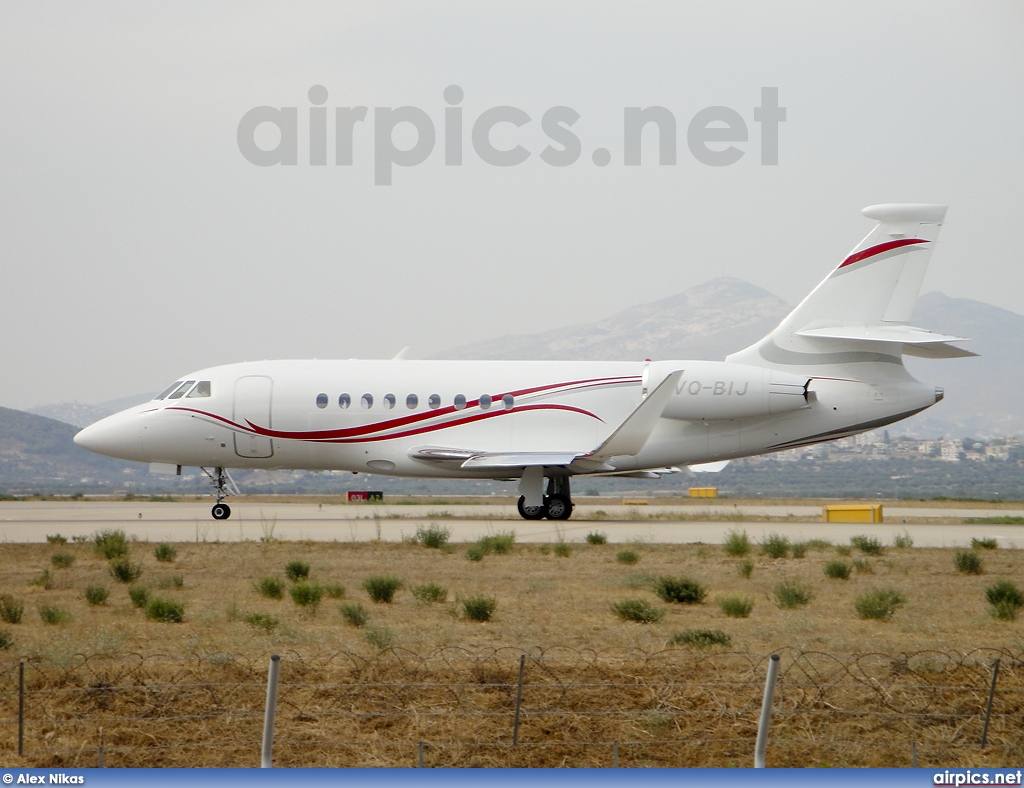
(530, 512)
(221, 511)
(557, 507)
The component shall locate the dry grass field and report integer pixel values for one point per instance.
(853, 691)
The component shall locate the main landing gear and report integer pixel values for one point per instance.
(223, 486)
(557, 503)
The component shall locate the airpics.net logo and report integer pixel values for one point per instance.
(715, 136)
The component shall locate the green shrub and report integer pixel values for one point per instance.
(168, 611)
(562, 550)
(1004, 611)
(296, 571)
(479, 608)
(681, 590)
(355, 614)
(430, 592)
(11, 609)
(434, 536)
(307, 594)
(627, 557)
(382, 588)
(379, 636)
(867, 544)
(269, 587)
(56, 539)
(597, 537)
(165, 553)
(174, 581)
(124, 571)
(842, 550)
(264, 622)
(6, 640)
(789, 595)
(880, 603)
(775, 546)
(96, 595)
(501, 543)
(51, 614)
(736, 606)
(863, 567)
(1005, 599)
(334, 590)
(62, 560)
(475, 552)
(985, 543)
(737, 543)
(42, 580)
(701, 638)
(110, 544)
(818, 544)
(139, 595)
(637, 610)
(967, 562)
(799, 549)
(838, 570)
(902, 541)
(745, 569)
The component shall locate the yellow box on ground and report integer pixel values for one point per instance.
(703, 492)
(852, 513)
(634, 502)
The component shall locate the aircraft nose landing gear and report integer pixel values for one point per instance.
(223, 486)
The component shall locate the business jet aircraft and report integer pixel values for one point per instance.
(832, 368)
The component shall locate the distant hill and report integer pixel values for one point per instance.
(81, 415)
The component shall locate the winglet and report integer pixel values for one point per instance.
(633, 433)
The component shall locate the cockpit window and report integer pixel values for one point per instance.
(202, 389)
(163, 394)
(180, 391)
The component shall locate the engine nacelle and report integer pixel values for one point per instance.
(719, 391)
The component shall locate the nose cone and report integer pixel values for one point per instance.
(119, 436)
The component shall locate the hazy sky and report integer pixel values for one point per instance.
(138, 243)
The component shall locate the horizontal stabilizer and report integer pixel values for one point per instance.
(908, 335)
(937, 350)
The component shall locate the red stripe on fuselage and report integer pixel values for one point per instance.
(871, 251)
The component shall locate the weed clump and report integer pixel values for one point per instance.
(56, 539)
(168, 611)
(124, 571)
(382, 588)
(296, 571)
(500, 543)
(380, 637)
(62, 560)
(745, 569)
(96, 595)
(562, 550)
(430, 592)
(838, 570)
(355, 614)
(165, 553)
(789, 595)
(637, 610)
(736, 606)
(43, 580)
(799, 549)
(628, 557)
(868, 545)
(174, 581)
(1005, 600)
(479, 608)
(269, 587)
(110, 544)
(880, 604)
(334, 590)
(307, 594)
(433, 536)
(51, 614)
(737, 543)
(264, 622)
(597, 537)
(775, 546)
(902, 541)
(139, 595)
(475, 552)
(985, 543)
(681, 590)
(967, 562)
(6, 640)
(11, 609)
(700, 638)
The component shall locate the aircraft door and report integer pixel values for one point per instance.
(252, 404)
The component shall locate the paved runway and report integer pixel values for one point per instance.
(32, 521)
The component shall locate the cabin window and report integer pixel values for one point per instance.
(344, 401)
(180, 391)
(367, 401)
(485, 401)
(508, 401)
(168, 390)
(412, 401)
(434, 401)
(460, 401)
(321, 400)
(202, 389)
(389, 401)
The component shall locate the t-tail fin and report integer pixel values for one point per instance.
(860, 313)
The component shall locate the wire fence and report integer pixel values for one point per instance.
(454, 707)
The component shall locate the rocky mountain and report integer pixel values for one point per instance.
(82, 415)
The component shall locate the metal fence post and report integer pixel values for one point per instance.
(988, 706)
(271, 711)
(21, 707)
(766, 712)
(519, 700)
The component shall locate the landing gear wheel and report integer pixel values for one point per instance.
(557, 507)
(221, 511)
(529, 512)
